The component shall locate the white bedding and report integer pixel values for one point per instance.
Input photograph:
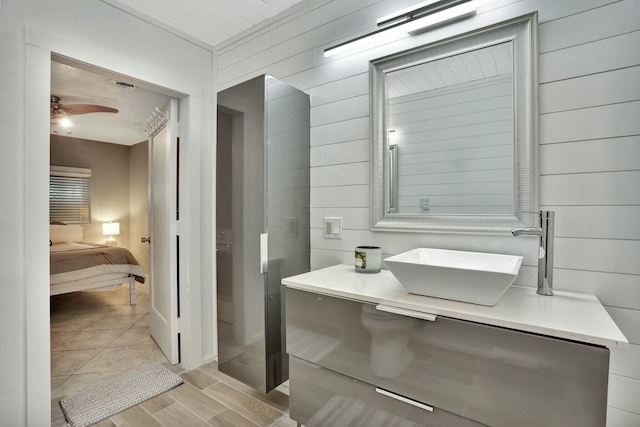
(123, 270)
(105, 282)
(96, 276)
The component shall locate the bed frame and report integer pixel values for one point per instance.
(93, 283)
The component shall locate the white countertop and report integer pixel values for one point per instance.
(568, 315)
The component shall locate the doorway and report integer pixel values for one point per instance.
(98, 125)
(39, 49)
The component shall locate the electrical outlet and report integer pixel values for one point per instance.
(332, 228)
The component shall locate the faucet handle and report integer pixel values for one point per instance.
(542, 253)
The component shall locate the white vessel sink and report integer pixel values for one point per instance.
(475, 277)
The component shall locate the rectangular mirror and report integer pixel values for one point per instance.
(454, 132)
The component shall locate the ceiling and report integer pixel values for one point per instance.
(476, 65)
(205, 22)
(126, 127)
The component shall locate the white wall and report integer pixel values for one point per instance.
(589, 74)
(114, 40)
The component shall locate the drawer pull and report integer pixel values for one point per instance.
(404, 399)
(418, 315)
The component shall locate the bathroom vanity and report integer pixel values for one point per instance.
(365, 352)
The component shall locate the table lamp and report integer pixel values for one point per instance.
(111, 229)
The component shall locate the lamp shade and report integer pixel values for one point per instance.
(111, 229)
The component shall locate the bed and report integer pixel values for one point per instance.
(78, 266)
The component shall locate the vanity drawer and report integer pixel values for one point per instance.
(323, 398)
(496, 376)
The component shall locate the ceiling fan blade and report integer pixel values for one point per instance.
(76, 109)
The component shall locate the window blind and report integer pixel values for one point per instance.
(70, 195)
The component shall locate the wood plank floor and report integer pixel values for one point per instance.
(89, 333)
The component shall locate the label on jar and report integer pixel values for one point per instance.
(361, 260)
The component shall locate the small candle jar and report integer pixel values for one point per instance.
(368, 259)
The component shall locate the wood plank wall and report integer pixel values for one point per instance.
(458, 156)
(589, 144)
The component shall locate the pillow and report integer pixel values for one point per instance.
(65, 233)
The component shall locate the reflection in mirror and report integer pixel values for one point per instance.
(392, 201)
(454, 133)
(450, 132)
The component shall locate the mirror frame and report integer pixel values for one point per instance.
(522, 32)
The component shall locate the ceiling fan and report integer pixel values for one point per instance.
(59, 110)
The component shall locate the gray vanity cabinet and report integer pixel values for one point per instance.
(321, 397)
(469, 373)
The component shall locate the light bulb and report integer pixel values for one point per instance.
(65, 122)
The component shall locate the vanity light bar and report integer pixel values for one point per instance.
(417, 10)
(411, 25)
(444, 17)
(361, 41)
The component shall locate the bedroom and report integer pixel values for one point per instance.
(113, 147)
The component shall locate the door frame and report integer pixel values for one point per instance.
(40, 46)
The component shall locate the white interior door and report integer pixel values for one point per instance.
(163, 287)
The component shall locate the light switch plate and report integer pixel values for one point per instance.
(332, 228)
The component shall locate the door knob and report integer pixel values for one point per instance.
(146, 239)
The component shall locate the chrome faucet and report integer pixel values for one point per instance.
(545, 251)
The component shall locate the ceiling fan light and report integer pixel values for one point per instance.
(65, 122)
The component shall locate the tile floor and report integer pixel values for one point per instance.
(98, 335)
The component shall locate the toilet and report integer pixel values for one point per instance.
(390, 353)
